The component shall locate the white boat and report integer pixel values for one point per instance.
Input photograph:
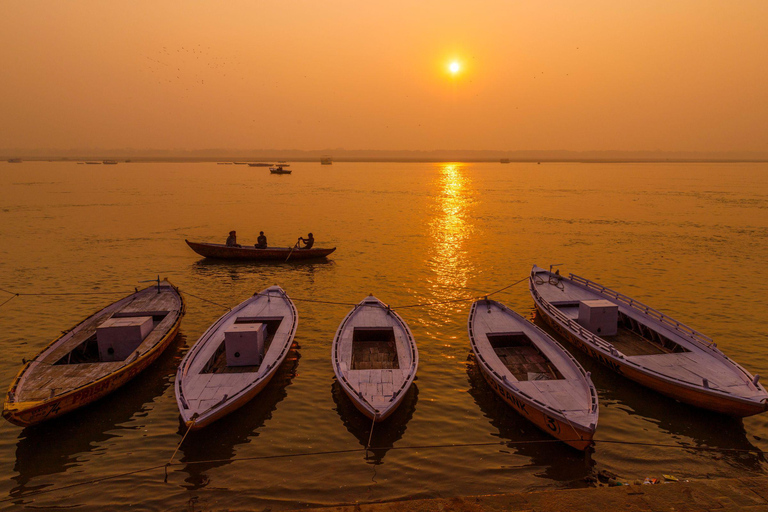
(374, 358)
(533, 373)
(97, 356)
(645, 345)
(235, 358)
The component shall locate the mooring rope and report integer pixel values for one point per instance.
(364, 450)
(205, 300)
(297, 299)
(9, 300)
(370, 436)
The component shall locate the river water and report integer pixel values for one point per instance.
(688, 239)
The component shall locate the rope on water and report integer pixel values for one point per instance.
(206, 300)
(370, 436)
(325, 302)
(299, 299)
(170, 461)
(510, 286)
(9, 300)
(57, 294)
(358, 450)
(79, 484)
(465, 299)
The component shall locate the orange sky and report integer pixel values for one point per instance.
(594, 75)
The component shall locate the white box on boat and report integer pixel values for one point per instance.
(118, 337)
(599, 316)
(244, 344)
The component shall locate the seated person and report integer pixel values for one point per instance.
(261, 241)
(232, 240)
(308, 242)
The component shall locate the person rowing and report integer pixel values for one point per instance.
(308, 242)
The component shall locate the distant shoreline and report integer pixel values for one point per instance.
(231, 160)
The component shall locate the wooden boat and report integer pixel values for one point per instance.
(235, 358)
(97, 356)
(533, 373)
(225, 252)
(374, 358)
(645, 345)
(279, 169)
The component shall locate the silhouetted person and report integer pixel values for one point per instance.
(261, 241)
(232, 240)
(308, 242)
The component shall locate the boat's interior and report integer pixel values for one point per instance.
(632, 338)
(218, 361)
(87, 351)
(374, 348)
(522, 357)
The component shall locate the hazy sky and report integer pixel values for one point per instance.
(591, 75)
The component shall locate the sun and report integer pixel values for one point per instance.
(454, 67)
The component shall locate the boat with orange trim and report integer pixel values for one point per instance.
(96, 356)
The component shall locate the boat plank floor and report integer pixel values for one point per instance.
(632, 344)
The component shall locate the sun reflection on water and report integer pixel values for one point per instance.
(450, 229)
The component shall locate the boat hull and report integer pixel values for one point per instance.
(697, 396)
(685, 394)
(26, 414)
(361, 398)
(570, 434)
(223, 252)
(231, 406)
(231, 394)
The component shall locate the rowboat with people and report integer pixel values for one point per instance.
(280, 169)
(235, 358)
(374, 358)
(226, 252)
(645, 345)
(533, 373)
(96, 356)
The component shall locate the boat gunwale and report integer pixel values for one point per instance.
(593, 409)
(599, 344)
(12, 407)
(398, 395)
(201, 342)
(696, 336)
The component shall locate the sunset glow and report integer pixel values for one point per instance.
(454, 67)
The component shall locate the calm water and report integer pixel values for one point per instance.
(688, 239)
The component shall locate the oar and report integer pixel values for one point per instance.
(289, 254)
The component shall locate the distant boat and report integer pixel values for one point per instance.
(374, 358)
(258, 164)
(279, 170)
(94, 163)
(504, 161)
(533, 373)
(235, 358)
(326, 160)
(96, 356)
(645, 345)
(110, 162)
(14, 160)
(226, 252)
(239, 163)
